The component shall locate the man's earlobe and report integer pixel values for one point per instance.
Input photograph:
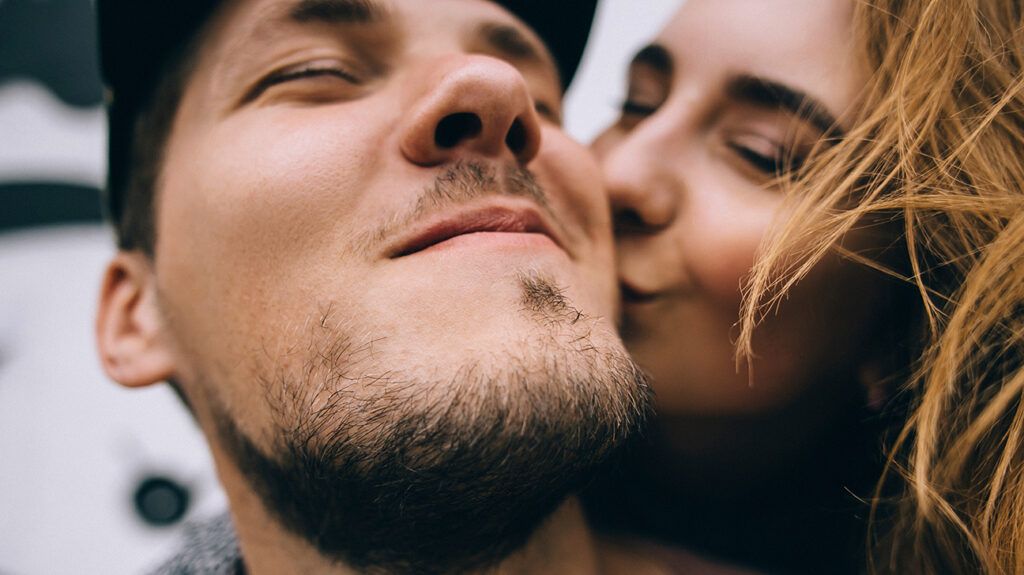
(133, 346)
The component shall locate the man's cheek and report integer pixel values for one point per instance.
(217, 212)
(569, 172)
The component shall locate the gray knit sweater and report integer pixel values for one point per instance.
(209, 548)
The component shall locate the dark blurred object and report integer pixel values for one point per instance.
(47, 203)
(161, 501)
(52, 42)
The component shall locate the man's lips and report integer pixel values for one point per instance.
(521, 219)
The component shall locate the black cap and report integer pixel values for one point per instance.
(138, 36)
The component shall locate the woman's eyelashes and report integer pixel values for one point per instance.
(767, 156)
(769, 164)
(637, 108)
(632, 112)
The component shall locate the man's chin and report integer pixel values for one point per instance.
(388, 470)
(477, 308)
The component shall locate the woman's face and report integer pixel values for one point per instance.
(729, 93)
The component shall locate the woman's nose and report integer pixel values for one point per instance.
(643, 198)
(471, 105)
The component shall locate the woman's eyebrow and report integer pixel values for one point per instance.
(654, 56)
(766, 93)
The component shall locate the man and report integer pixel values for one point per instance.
(356, 241)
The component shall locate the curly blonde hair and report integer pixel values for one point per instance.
(936, 149)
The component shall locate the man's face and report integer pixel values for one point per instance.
(376, 247)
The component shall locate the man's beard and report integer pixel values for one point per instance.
(386, 474)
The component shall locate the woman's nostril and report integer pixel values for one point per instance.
(516, 137)
(456, 128)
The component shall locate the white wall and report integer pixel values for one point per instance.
(621, 27)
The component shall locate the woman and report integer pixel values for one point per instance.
(831, 192)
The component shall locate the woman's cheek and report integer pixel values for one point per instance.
(572, 176)
(726, 250)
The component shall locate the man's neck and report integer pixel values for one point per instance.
(563, 544)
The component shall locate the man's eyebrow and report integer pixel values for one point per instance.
(337, 11)
(510, 42)
(766, 93)
(654, 56)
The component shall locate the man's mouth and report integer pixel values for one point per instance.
(508, 218)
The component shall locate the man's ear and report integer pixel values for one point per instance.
(130, 335)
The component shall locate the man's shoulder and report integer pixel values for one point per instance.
(209, 548)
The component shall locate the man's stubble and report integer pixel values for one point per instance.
(390, 474)
(392, 467)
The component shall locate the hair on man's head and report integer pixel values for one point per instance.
(135, 192)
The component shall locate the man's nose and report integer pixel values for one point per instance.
(471, 105)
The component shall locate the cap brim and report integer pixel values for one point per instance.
(136, 37)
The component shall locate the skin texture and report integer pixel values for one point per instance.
(688, 166)
(281, 300)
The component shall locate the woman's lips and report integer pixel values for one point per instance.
(634, 295)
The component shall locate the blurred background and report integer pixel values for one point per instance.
(95, 478)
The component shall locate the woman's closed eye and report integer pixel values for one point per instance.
(766, 155)
(637, 108)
